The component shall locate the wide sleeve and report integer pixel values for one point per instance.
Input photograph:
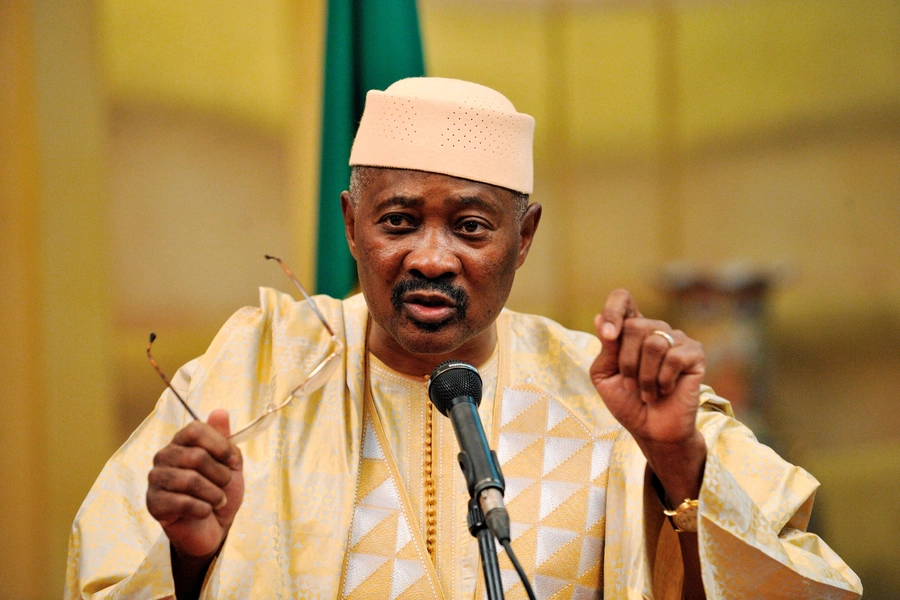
(116, 549)
(754, 509)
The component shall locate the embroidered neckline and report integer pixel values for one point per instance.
(430, 489)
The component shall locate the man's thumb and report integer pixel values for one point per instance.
(218, 420)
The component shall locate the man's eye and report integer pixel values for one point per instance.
(472, 226)
(396, 220)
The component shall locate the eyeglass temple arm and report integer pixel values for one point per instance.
(166, 379)
(300, 287)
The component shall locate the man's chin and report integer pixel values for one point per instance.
(430, 326)
(418, 337)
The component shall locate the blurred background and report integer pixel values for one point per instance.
(734, 163)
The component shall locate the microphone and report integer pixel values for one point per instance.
(455, 389)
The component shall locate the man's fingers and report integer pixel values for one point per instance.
(607, 363)
(212, 437)
(168, 507)
(646, 359)
(686, 358)
(619, 307)
(609, 324)
(662, 365)
(193, 458)
(205, 436)
(190, 483)
(640, 354)
(641, 350)
(655, 350)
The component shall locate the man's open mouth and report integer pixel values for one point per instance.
(428, 303)
(428, 307)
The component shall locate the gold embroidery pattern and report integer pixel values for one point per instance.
(556, 473)
(384, 558)
(430, 493)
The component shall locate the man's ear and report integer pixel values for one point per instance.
(527, 228)
(349, 212)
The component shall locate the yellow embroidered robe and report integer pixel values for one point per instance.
(293, 535)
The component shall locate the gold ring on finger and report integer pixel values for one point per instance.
(668, 337)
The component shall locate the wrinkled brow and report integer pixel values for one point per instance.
(399, 201)
(407, 201)
(477, 202)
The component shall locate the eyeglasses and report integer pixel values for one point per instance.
(316, 378)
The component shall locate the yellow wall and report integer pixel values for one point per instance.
(150, 152)
(56, 325)
(223, 56)
(22, 459)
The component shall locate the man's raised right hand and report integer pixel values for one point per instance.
(196, 487)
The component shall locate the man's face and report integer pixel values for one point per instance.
(436, 257)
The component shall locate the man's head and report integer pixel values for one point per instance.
(437, 217)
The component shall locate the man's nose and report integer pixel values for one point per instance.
(433, 256)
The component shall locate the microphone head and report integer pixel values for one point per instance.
(452, 379)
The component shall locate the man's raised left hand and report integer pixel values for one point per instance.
(649, 376)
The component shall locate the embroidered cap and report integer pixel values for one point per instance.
(450, 127)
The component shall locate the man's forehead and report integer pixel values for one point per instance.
(412, 188)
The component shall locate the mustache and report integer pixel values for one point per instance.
(420, 284)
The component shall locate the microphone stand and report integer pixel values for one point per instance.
(479, 529)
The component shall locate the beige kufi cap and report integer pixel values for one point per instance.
(450, 127)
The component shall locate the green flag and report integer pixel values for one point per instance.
(370, 44)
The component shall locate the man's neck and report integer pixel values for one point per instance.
(475, 351)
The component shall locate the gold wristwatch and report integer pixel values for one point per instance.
(684, 517)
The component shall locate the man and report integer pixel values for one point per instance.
(354, 491)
